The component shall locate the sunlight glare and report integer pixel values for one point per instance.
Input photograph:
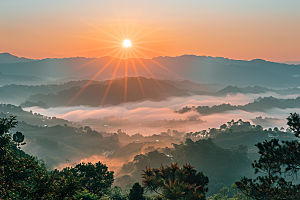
(127, 43)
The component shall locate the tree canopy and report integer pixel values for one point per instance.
(279, 163)
(22, 177)
(173, 182)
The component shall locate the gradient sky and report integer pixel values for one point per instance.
(237, 29)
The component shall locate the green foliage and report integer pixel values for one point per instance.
(153, 158)
(278, 162)
(221, 195)
(213, 160)
(294, 123)
(22, 177)
(85, 195)
(136, 192)
(204, 155)
(275, 161)
(116, 194)
(95, 178)
(173, 182)
(18, 138)
(7, 124)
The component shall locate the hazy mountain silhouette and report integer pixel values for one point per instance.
(252, 90)
(8, 58)
(291, 62)
(18, 93)
(199, 69)
(93, 94)
(261, 104)
(256, 90)
(19, 79)
(194, 87)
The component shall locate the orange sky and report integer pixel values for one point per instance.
(234, 29)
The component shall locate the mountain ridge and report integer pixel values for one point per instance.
(200, 69)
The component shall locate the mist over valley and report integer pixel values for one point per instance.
(149, 100)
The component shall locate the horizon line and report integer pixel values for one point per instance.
(290, 62)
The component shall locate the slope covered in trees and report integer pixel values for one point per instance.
(261, 104)
(23, 175)
(277, 168)
(138, 89)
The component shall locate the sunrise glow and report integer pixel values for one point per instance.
(122, 59)
(127, 43)
(150, 99)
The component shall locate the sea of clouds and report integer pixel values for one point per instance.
(148, 111)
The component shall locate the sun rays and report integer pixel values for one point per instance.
(126, 47)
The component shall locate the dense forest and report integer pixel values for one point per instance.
(200, 167)
(161, 140)
(149, 100)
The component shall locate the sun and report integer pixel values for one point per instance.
(127, 55)
(126, 43)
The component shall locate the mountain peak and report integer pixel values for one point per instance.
(8, 58)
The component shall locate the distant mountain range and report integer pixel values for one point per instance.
(154, 89)
(95, 94)
(20, 79)
(7, 58)
(256, 90)
(200, 69)
(291, 62)
(53, 95)
(18, 93)
(261, 104)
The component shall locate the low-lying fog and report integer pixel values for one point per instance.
(142, 113)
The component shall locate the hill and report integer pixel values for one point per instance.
(18, 93)
(261, 104)
(8, 58)
(6, 79)
(93, 95)
(200, 69)
(256, 90)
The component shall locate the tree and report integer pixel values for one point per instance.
(173, 182)
(116, 194)
(85, 195)
(223, 127)
(222, 194)
(153, 158)
(95, 178)
(294, 123)
(213, 160)
(136, 192)
(21, 177)
(87, 128)
(18, 138)
(278, 161)
(213, 131)
(203, 133)
(94, 133)
(270, 130)
(258, 128)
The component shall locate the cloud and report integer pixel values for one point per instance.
(148, 111)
